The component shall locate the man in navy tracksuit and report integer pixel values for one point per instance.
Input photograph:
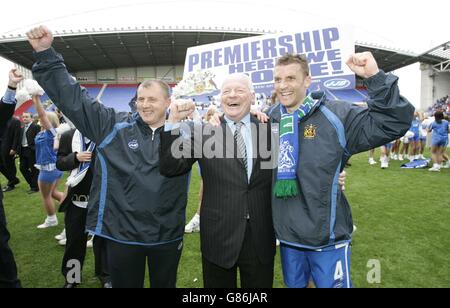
(140, 212)
(314, 224)
(8, 268)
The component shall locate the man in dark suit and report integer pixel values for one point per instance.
(27, 152)
(237, 230)
(8, 268)
(75, 154)
(8, 150)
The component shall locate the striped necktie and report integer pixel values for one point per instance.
(241, 144)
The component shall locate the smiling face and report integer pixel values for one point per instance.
(237, 97)
(291, 84)
(152, 103)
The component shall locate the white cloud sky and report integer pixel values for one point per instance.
(399, 24)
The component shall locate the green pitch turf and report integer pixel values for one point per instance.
(402, 219)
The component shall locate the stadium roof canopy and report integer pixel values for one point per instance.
(106, 49)
(115, 49)
(441, 55)
(115, 33)
(156, 47)
(391, 59)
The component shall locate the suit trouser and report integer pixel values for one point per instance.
(253, 273)
(127, 264)
(101, 260)
(27, 168)
(75, 223)
(8, 268)
(8, 168)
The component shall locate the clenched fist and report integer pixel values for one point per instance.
(180, 110)
(15, 77)
(40, 38)
(363, 64)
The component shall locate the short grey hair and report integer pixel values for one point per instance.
(241, 76)
(163, 85)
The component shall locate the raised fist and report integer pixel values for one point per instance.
(180, 110)
(40, 38)
(15, 77)
(363, 64)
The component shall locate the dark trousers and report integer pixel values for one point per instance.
(252, 272)
(75, 223)
(127, 264)
(101, 260)
(8, 168)
(27, 168)
(8, 268)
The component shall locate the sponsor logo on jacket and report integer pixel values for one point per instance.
(133, 144)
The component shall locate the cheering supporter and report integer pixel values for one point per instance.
(49, 175)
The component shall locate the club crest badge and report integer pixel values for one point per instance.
(310, 132)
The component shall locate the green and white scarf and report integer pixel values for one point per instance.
(286, 185)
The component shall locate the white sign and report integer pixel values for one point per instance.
(326, 49)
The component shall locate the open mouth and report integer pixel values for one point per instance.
(286, 94)
(147, 112)
(233, 105)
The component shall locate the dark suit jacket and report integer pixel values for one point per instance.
(6, 112)
(227, 196)
(67, 161)
(12, 137)
(31, 133)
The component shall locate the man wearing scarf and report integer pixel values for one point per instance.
(312, 217)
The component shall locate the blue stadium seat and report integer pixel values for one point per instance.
(93, 92)
(118, 97)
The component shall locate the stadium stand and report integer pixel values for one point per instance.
(441, 104)
(118, 97)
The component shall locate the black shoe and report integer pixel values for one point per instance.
(70, 285)
(33, 191)
(8, 188)
(15, 182)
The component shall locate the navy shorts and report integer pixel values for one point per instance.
(49, 177)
